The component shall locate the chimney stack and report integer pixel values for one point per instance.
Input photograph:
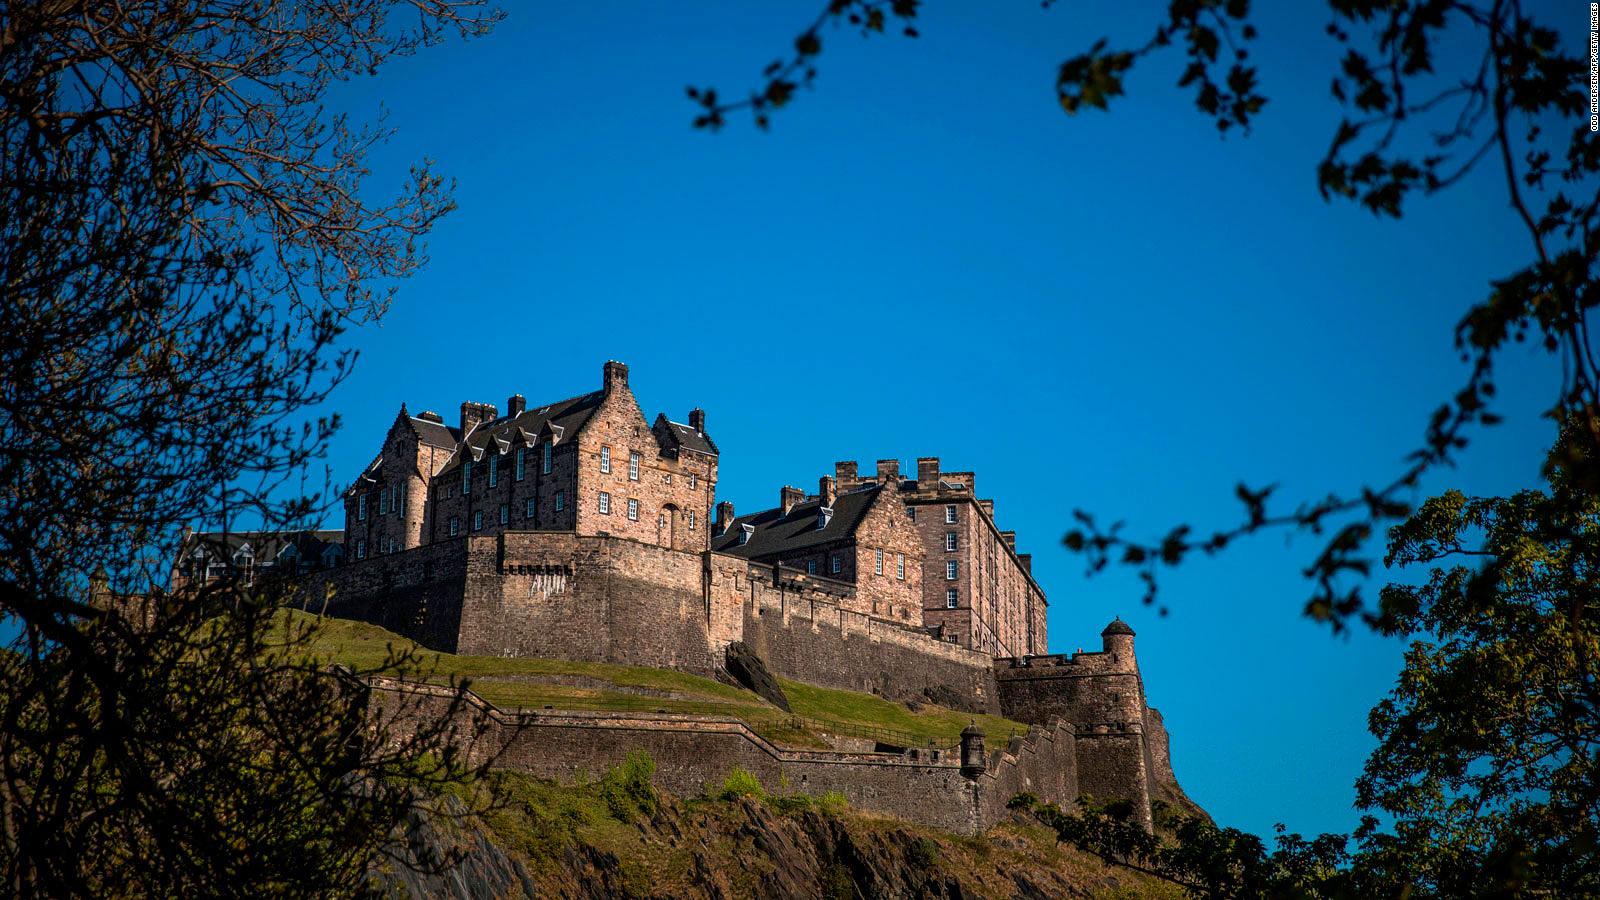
(789, 498)
(825, 490)
(927, 472)
(516, 404)
(615, 374)
(888, 470)
(724, 515)
(1010, 537)
(988, 507)
(474, 414)
(845, 472)
(1027, 562)
(697, 419)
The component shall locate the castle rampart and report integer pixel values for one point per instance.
(696, 753)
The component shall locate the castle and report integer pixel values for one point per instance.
(580, 530)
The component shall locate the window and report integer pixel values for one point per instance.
(824, 516)
(633, 466)
(691, 481)
(361, 550)
(605, 460)
(477, 520)
(900, 566)
(951, 569)
(561, 500)
(877, 562)
(811, 567)
(911, 513)
(399, 500)
(529, 508)
(950, 541)
(455, 525)
(544, 465)
(494, 471)
(522, 468)
(950, 598)
(466, 478)
(633, 510)
(744, 533)
(361, 508)
(605, 504)
(505, 514)
(691, 520)
(383, 501)
(834, 564)
(950, 514)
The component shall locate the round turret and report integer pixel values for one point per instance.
(973, 762)
(1117, 638)
(1117, 626)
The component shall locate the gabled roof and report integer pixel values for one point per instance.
(778, 535)
(436, 434)
(563, 417)
(687, 437)
(264, 545)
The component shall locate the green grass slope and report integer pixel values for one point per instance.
(525, 683)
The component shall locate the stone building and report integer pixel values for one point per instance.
(591, 465)
(977, 589)
(205, 556)
(860, 536)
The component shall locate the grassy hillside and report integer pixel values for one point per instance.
(618, 836)
(565, 684)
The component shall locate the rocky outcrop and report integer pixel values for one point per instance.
(747, 847)
(748, 668)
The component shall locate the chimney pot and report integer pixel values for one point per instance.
(615, 374)
(789, 498)
(825, 490)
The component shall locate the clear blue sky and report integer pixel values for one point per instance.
(1119, 312)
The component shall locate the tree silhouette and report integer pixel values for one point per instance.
(184, 236)
(1409, 130)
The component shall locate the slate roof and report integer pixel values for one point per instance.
(566, 415)
(686, 436)
(778, 535)
(436, 434)
(265, 546)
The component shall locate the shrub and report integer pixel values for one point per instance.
(832, 803)
(791, 804)
(924, 853)
(741, 783)
(629, 789)
(1024, 800)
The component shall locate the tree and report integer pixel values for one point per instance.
(1515, 101)
(1488, 756)
(184, 236)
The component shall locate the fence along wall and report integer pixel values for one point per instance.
(694, 754)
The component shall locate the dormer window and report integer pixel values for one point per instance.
(744, 533)
(824, 516)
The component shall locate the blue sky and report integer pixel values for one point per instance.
(1120, 312)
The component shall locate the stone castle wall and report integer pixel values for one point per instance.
(599, 598)
(694, 754)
